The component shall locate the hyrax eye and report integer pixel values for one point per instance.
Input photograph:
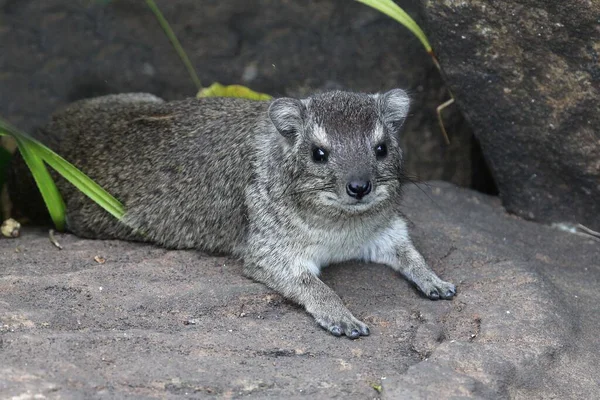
(381, 151)
(319, 155)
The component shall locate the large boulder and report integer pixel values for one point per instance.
(55, 51)
(124, 320)
(527, 75)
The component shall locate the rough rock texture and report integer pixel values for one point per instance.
(56, 51)
(527, 75)
(524, 324)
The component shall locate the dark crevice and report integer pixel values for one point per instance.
(481, 175)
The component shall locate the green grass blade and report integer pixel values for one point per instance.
(175, 42)
(391, 9)
(81, 181)
(45, 183)
(50, 194)
(35, 154)
(394, 11)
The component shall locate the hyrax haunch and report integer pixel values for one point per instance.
(288, 186)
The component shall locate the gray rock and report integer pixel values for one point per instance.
(527, 75)
(143, 322)
(55, 51)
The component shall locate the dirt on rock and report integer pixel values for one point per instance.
(111, 319)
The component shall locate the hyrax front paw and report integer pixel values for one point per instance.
(437, 289)
(344, 324)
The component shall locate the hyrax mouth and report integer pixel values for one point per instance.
(353, 204)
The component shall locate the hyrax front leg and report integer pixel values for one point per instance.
(394, 248)
(411, 264)
(305, 288)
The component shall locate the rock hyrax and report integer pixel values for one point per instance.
(289, 186)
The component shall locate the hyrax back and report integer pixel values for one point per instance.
(289, 186)
(180, 168)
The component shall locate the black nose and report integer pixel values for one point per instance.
(358, 189)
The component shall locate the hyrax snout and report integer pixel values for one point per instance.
(358, 188)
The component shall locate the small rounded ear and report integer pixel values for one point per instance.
(393, 107)
(287, 115)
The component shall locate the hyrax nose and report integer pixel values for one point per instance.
(358, 189)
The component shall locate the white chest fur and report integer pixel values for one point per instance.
(353, 240)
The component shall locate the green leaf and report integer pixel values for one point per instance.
(377, 387)
(218, 90)
(81, 181)
(50, 194)
(391, 9)
(35, 154)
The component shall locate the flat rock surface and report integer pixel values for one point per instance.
(110, 319)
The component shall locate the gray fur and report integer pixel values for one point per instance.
(234, 176)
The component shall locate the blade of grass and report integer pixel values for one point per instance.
(47, 187)
(45, 183)
(391, 9)
(35, 154)
(216, 89)
(81, 181)
(175, 42)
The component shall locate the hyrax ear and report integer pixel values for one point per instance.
(287, 115)
(393, 108)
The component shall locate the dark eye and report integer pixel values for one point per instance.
(319, 155)
(381, 151)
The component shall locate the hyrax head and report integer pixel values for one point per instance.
(342, 149)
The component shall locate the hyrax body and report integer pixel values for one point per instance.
(289, 186)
